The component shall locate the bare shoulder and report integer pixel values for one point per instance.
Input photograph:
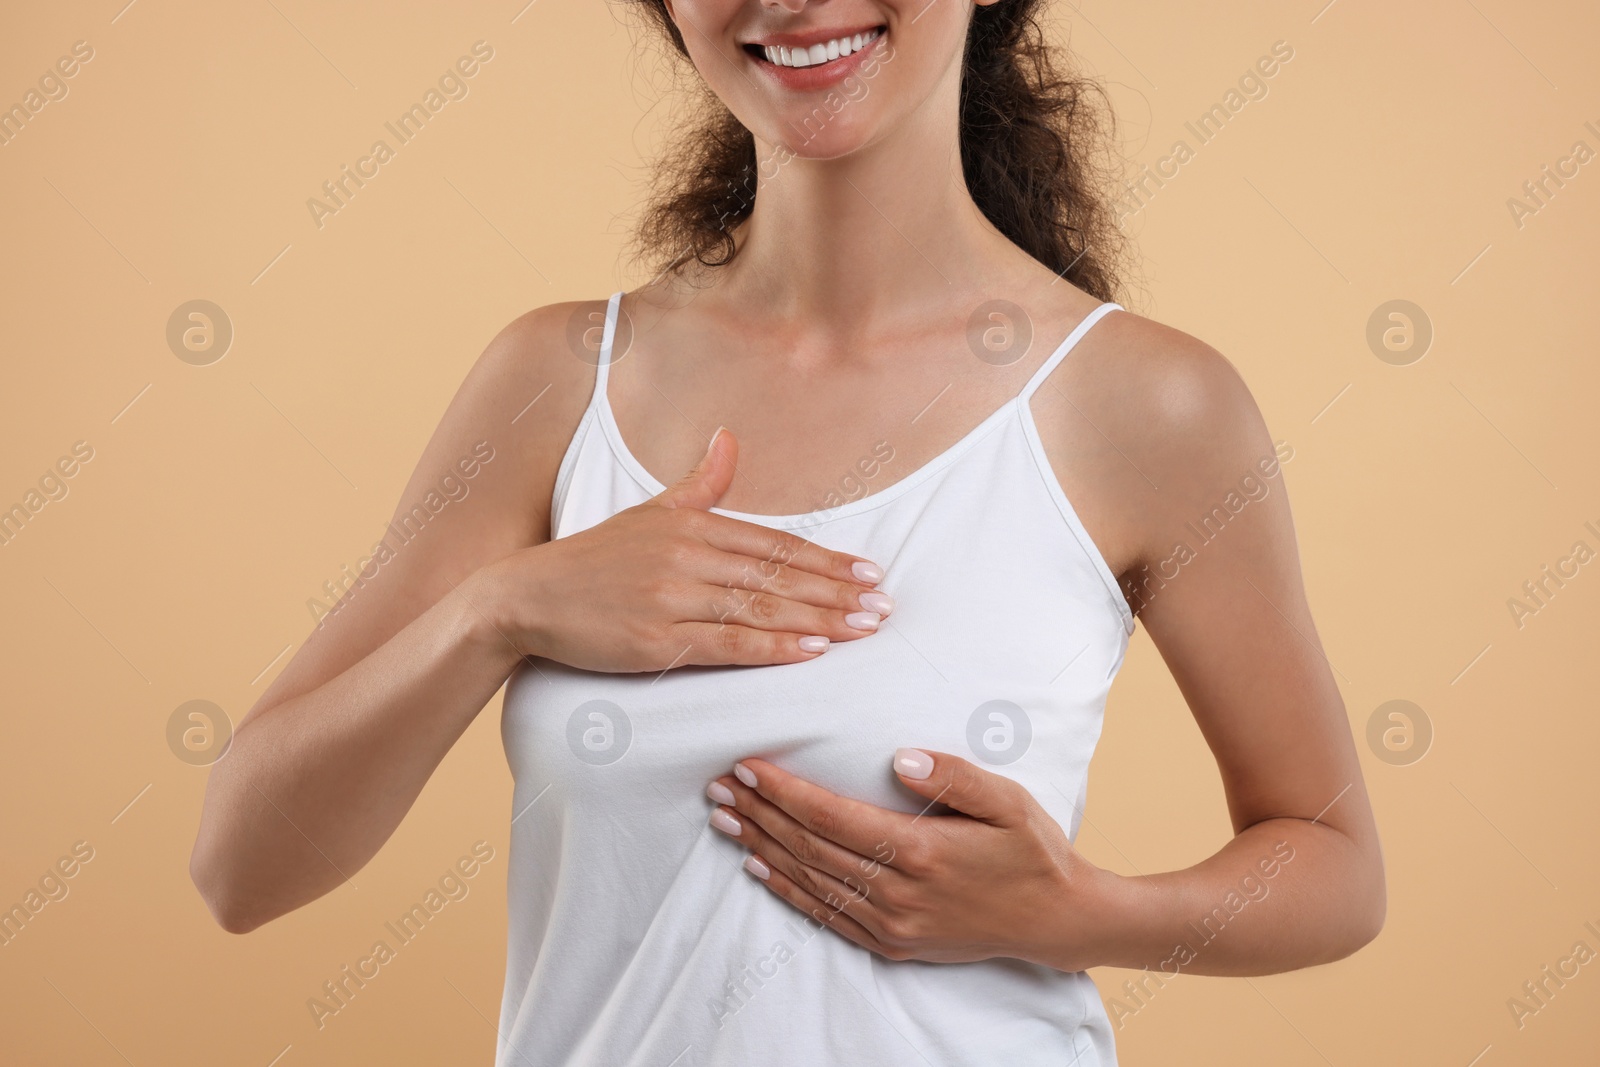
(555, 344)
(525, 396)
(1178, 390)
(1147, 425)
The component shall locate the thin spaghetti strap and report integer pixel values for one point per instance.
(603, 362)
(1066, 346)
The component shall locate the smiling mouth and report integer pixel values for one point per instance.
(817, 55)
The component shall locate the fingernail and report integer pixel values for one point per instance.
(725, 822)
(867, 572)
(814, 644)
(861, 620)
(744, 774)
(720, 793)
(882, 603)
(713, 440)
(913, 763)
(754, 865)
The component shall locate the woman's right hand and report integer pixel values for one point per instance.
(668, 583)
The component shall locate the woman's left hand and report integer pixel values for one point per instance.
(999, 879)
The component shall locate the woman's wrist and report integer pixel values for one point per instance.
(1103, 920)
(494, 621)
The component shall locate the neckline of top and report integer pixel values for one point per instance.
(608, 422)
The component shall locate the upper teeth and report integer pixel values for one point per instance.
(819, 53)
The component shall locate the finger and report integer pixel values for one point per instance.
(853, 890)
(836, 914)
(769, 611)
(705, 484)
(864, 829)
(962, 785)
(781, 548)
(707, 480)
(712, 644)
(733, 571)
(765, 821)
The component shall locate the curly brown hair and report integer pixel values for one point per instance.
(1035, 150)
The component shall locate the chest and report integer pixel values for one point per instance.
(1001, 649)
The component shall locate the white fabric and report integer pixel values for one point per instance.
(636, 939)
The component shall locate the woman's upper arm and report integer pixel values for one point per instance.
(480, 490)
(1183, 479)
(1224, 601)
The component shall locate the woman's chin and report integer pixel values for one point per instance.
(815, 146)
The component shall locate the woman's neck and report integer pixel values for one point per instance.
(889, 230)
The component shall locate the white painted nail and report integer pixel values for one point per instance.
(882, 603)
(913, 763)
(867, 572)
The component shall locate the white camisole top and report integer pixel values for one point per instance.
(636, 939)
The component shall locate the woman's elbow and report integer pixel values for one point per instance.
(1367, 908)
(1376, 910)
(229, 907)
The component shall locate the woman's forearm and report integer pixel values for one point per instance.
(311, 788)
(1284, 893)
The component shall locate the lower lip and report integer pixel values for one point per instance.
(822, 76)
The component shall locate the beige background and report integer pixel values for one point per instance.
(178, 567)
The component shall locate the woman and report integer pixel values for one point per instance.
(879, 643)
